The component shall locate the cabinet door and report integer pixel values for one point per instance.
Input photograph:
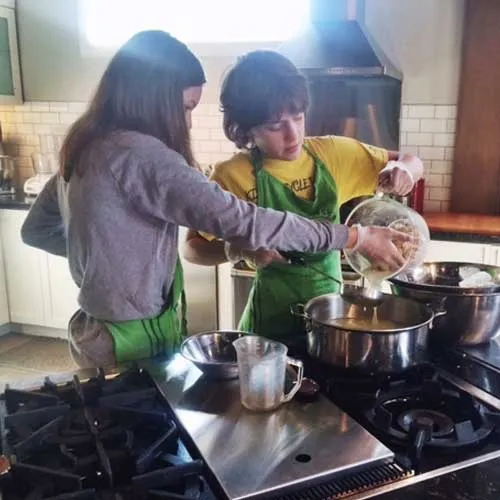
(476, 165)
(10, 77)
(452, 251)
(61, 293)
(492, 255)
(4, 304)
(23, 271)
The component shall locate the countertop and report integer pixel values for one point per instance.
(464, 227)
(17, 201)
(479, 482)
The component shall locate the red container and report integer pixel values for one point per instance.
(416, 197)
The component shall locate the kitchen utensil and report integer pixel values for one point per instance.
(44, 166)
(213, 352)
(364, 296)
(473, 312)
(262, 365)
(386, 212)
(6, 174)
(389, 338)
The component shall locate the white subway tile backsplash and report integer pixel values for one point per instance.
(25, 129)
(214, 110)
(31, 117)
(433, 125)
(435, 180)
(200, 134)
(68, 118)
(77, 107)
(50, 118)
(217, 134)
(446, 140)
(421, 111)
(441, 167)
(426, 130)
(58, 106)
(419, 139)
(410, 125)
(207, 147)
(432, 206)
(439, 193)
(212, 122)
(431, 153)
(446, 112)
(411, 150)
(40, 106)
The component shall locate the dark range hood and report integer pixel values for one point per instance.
(338, 44)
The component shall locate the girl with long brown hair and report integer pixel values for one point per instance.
(124, 187)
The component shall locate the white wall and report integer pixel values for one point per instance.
(422, 37)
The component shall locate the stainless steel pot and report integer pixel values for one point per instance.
(473, 313)
(367, 347)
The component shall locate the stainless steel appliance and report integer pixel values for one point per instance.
(164, 429)
(200, 283)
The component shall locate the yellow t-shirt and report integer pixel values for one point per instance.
(354, 166)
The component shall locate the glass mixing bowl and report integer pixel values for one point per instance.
(386, 212)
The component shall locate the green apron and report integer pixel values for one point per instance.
(158, 336)
(278, 286)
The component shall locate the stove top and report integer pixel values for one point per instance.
(95, 439)
(427, 420)
(115, 436)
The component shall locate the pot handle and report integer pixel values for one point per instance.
(437, 308)
(298, 310)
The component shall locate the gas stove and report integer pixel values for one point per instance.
(426, 419)
(100, 438)
(163, 430)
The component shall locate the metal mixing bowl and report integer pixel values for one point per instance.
(213, 352)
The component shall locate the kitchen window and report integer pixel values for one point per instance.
(221, 24)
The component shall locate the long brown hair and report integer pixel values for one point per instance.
(260, 87)
(140, 90)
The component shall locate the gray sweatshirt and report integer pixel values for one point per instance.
(118, 224)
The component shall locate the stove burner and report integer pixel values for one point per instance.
(429, 417)
(440, 424)
(95, 439)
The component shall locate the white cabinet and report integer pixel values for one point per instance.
(23, 265)
(456, 251)
(40, 290)
(4, 304)
(492, 255)
(62, 293)
(10, 75)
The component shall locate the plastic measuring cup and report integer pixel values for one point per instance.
(262, 367)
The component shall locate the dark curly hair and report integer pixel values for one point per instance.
(260, 87)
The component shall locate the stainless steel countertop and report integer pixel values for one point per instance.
(257, 453)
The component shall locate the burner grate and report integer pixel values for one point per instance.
(102, 439)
